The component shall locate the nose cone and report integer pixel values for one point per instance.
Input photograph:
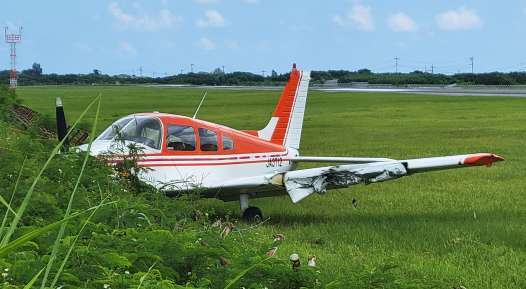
(485, 159)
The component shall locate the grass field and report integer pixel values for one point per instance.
(462, 227)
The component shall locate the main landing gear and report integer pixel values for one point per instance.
(250, 214)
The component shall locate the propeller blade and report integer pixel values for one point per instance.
(62, 126)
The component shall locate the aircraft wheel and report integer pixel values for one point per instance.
(252, 214)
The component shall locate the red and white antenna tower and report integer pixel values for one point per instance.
(12, 39)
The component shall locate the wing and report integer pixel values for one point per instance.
(302, 183)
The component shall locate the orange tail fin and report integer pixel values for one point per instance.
(285, 126)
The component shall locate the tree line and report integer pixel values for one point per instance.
(35, 76)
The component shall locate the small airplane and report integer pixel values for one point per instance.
(184, 153)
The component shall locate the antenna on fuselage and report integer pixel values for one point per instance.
(201, 103)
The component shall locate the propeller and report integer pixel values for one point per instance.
(62, 126)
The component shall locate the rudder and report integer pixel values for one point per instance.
(286, 124)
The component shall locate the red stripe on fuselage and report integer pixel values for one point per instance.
(201, 164)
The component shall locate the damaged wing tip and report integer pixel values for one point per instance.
(485, 159)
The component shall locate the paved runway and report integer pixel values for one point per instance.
(508, 91)
(455, 91)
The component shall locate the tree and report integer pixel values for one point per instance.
(217, 71)
(364, 71)
(36, 69)
(96, 71)
(273, 74)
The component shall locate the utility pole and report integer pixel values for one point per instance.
(191, 68)
(396, 64)
(263, 72)
(182, 70)
(12, 39)
(432, 69)
(140, 71)
(472, 64)
(223, 69)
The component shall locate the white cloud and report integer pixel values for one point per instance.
(400, 22)
(127, 48)
(359, 17)
(212, 19)
(165, 19)
(459, 19)
(206, 44)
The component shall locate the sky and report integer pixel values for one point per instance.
(165, 37)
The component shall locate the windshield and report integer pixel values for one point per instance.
(140, 129)
(114, 129)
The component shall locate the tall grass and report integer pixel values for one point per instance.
(72, 196)
(29, 193)
(6, 245)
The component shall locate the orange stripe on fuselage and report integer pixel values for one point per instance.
(284, 108)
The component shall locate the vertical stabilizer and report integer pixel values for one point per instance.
(285, 126)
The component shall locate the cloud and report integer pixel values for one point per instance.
(127, 48)
(206, 44)
(459, 19)
(165, 19)
(251, 1)
(400, 22)
(212, 19)
(358, 17)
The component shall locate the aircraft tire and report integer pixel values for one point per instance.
(253, 214)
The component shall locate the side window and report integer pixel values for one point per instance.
(228, 143)
(180, 138)
(208, 140)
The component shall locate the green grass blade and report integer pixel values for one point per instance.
(143, 277)
(4, 202)
(25, 201)
(9, 247)
(66, 258)
(6, 215)
(60, 234)
(33, 280)
(243, 273)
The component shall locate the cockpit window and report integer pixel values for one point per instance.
(114, 129)
(228, 143)
(140, 129)
(180, 138)
(208, 139)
